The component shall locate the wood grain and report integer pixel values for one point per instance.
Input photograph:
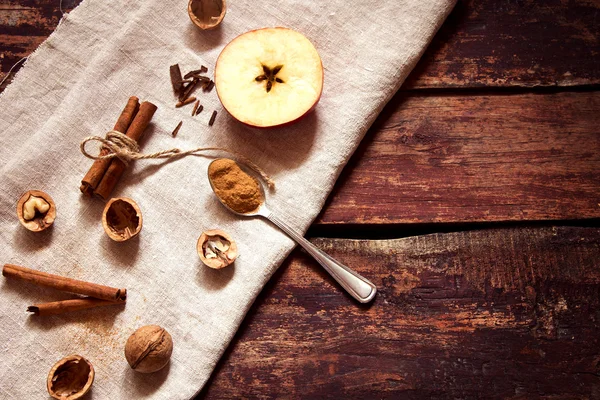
(514, 43)
(24, 25)
(507, 313)
(474, 158)
(483, 42)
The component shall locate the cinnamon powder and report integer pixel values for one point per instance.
(238, 190)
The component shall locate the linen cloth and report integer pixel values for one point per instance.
(76, 84)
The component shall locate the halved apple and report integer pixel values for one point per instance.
(269, 77)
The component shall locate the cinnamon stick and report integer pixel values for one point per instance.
(64, 306)
(93, 177)
(65, 284)
(117, 167)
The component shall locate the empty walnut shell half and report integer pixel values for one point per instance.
(121, 219)
(36, 210)
(70, 378)
(216, 249)
(207, 14)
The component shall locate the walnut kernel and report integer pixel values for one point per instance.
(36, 210)
(216, 249)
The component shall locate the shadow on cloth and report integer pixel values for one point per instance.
(201, 41)
(121, 253)
(90, 210)
(214, 279)
(27, 241)
(146, 384)
(285, 148)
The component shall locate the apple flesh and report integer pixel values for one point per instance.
(269, 77)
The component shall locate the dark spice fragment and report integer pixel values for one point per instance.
(185, 102)
(177, 128)
(188, 90)
(199, 110)
(196, 72)
(212, 118)
(208, 87)
(176, 79)
(191, 74)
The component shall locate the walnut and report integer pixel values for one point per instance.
(121, 219)
(149, 349)
(36, 210)
(207, 14)
(70, 378)
(216, 249)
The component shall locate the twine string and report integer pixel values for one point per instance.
(126, 149)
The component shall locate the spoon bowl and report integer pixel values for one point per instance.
(262, 210)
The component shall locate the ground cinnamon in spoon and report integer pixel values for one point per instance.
(238, 190)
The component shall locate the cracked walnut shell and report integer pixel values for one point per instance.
(121, 219)
(70, 378)
(216, 249)
(207, 14)
(36, 210)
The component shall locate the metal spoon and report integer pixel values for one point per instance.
(357, 286)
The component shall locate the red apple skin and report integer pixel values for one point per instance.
(266, 128)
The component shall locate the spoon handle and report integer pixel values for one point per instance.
(357, 286)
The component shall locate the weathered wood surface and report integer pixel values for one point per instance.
(507, 313)
(470, 158)
(483, 42)
(24, 25)
(514, 43)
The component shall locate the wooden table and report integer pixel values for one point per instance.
(473, 204)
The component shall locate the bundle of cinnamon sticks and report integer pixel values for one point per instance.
(104, 174)
(95, 295)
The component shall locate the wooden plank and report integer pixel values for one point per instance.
(475, 158)
(24, 25)
(507, 313)
(483, 42)
(514, 43)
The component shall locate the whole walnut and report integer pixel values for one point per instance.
(149, 349)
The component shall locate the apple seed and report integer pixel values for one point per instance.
(269, 76)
